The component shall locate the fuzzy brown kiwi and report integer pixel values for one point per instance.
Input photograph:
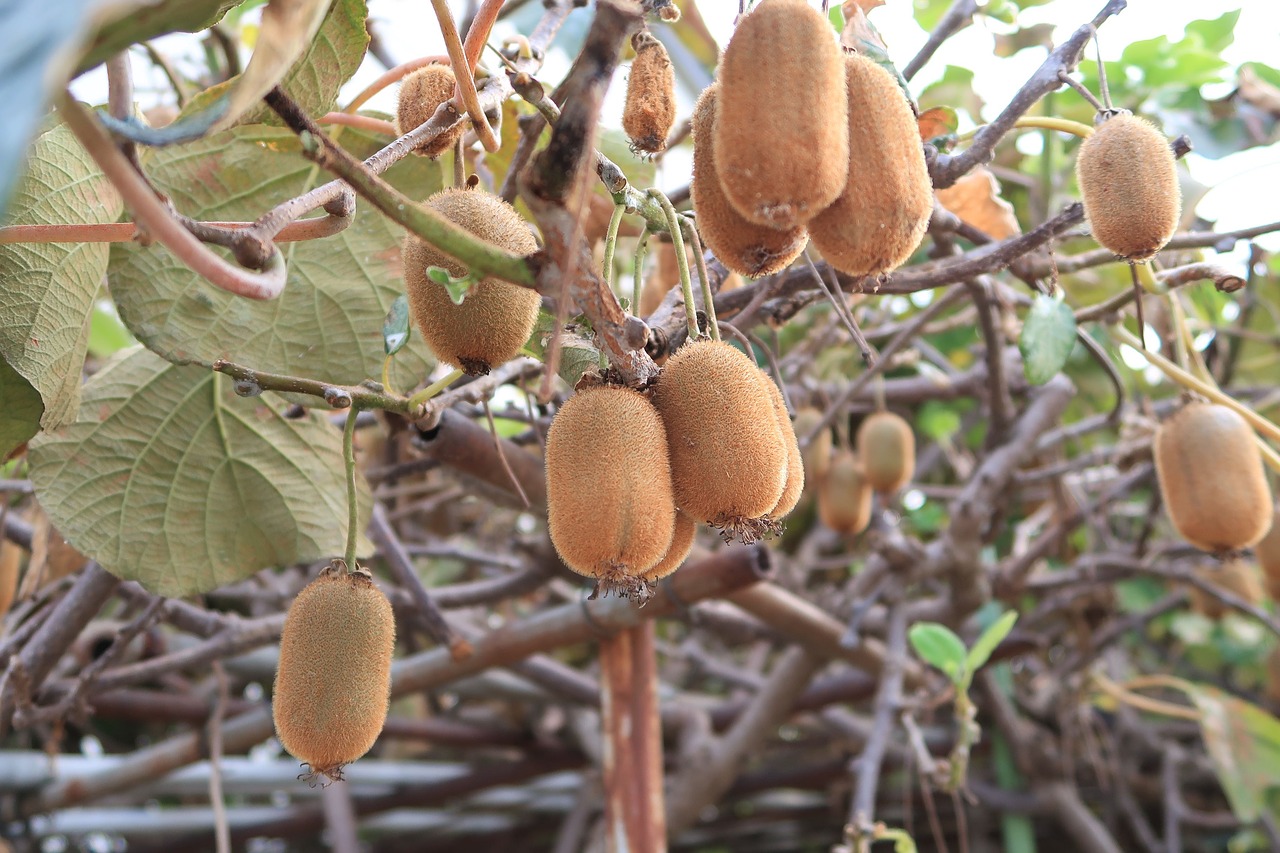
(880, 217)
(650, 108)
(496, 318)
(793, 487)
(781, 153)
(1234, 576)
(610, 506)
(1268, 551)
(334, 679)
(421, 94)
(682, 539)
(817, 455)
(728, 458)
(10, 562)
(844, 495)
(742, 246)
(1129, 184)
(1211, 478)
(887, 449)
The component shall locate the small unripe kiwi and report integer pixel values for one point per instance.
(887, 448)
(682, 539)
(496, 318)
(742, 246)
(610, 508)
(421, 94)
(728, 457)
(334, 678)
(793, 487)
(844, 495)
(1235, 576)
(651, 96)
(1211, 478)
(780, 148)
(1268, 550)
(880, 217)
(1129, 184)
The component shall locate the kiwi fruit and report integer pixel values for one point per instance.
(10, 562)
(682, 539)
(793, 487)
(421, 94)
(844, 495)
(650, 109)
(781, 154)
(817, 455)
(728, 456)
(1267, 550)
(887, 449)
(610, 507)
(496, 318)
(1211, 478)
(881, 215)
(742, 246)
(334, 678)
(1234, 576)
(1129, 184)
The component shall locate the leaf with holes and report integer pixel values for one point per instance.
(1048, 336)
(170, 479)
(49, 288)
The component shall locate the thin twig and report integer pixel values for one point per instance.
(221, 829)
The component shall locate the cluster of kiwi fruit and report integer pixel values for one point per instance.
(775, 165)
(629, 476)
(333, 683)
(881, 461)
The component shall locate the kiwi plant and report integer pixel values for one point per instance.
(650, 109)
(610, 506)
(887, 449)
(1129, 184)
(1212, 478)
(781, 156)
(495, 318)
(421, 94)
(334, 678)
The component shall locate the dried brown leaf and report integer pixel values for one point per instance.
(975, 198)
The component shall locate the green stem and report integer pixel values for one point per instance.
(677, 240)
(611, 244)
(337, 396)
(419, 399)
(708, 298)
(349, 459)
(642, 246)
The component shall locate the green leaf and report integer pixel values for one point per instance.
(956, 90)
(938, 420)
(140, 20)
(395, 329)
(458, 287)
(1048, 336)
(170, 479)
(328, 322)
(938, 646)
(107, 334)
(836, 16)
(1243, 741)
(930, 12)
(981, 651)
(20, 410)
(49, 288)
(1216, 35)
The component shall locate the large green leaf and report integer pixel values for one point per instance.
(49, 288)
(170, 479)
(132, 22)
(20, 410)
(328, 322)
(1048, 336)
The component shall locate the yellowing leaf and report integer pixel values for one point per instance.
(975, 198)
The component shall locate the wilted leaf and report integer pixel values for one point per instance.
(20, 410)
(861, 35)
(1244, 742)
(49, 288)
(328, 322)
(864, 5)
(1258, 92)
(170, 479)
(938, 121)
(1048, 336)
(954, 90)
(938, 646)
(975, 198)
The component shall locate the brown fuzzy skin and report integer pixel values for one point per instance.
(1268, 550)
(496, 318)
(610, 507)
(728, 459)
(882, 213)
(742, 246)
(781, 151)
(793, 488)
(334, 679)
(650, 109)
(682, 539)
(887, 448)
(844, 495)
(1129, 184)
(1212, 479)
(1234, 576)
(421, 94)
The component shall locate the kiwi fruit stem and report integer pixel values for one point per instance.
(433, 389)
(686, 286)
(349, 460)
(708, 298)
(611, 245)
(642, 246)
(1064, 125)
